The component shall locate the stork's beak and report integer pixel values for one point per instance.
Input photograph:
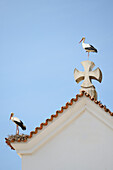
(10, 118)
(81, 40)
(11, 115)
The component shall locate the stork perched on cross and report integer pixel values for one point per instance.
(88, 47)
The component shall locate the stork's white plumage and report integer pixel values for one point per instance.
(88, 47)
(18, 122)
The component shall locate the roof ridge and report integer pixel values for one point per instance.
(56, 115)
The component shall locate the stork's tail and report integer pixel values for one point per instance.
(23, 127)
(96, 51)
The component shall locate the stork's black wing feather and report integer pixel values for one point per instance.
(20, 124)
(91, 48)
(94, 48)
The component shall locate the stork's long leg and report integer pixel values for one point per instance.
(17, 130)
(88, 55)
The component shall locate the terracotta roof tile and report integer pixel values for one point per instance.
(23, 138)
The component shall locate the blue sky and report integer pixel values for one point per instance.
(39, 51)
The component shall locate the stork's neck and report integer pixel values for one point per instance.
(83, 41)
(11, 117)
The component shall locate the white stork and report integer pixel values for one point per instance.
(88, 47)
(18, 122)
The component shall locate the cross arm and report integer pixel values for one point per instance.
(78, 75)
(96, 74)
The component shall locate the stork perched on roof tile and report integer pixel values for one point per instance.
(88, 47)
(18, 122)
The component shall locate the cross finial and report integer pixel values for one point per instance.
(87, 76)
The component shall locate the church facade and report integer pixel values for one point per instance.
(79, 136)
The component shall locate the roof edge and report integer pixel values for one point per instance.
(83, 93)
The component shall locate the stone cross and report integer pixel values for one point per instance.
(87, 76)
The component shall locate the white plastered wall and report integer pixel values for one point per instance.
(85, 143)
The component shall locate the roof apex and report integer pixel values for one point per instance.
(23, 138)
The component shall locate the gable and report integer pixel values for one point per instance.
(72, 109)
(74, 112)
(82, 140)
